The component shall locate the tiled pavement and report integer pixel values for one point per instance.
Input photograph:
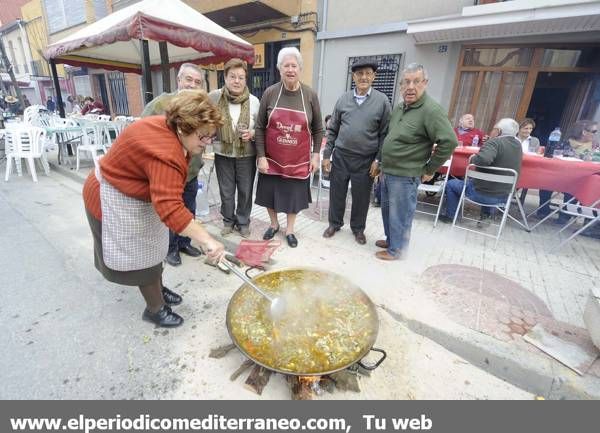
(559, 278)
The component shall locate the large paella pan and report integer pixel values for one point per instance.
(329, 324)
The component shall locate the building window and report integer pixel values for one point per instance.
(100, 9)
(13, 57)
(498, 57)
(116, 81)
(25, 66)
(517, 82)
(386, 79)
(59, 19)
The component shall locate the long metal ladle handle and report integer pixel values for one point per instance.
(246, 280)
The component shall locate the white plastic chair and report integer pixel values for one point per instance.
(437, 187)
(68, 138)
(93, 140)
(25, 142)
(506, 176)
(32, 111)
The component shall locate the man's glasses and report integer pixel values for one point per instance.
(190, 80)
(407, 83)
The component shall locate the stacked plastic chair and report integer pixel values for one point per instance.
(28, 143)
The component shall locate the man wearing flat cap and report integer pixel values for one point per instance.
(356, 130)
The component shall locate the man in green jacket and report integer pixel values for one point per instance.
(189, 77)
(408, 158)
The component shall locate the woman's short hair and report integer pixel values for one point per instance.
(234, 64)
(191, 109)
(527, 121)
(289, 51)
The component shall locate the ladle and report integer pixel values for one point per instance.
(278, 304)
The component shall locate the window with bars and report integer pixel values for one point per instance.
(386, 78)
(116, 81)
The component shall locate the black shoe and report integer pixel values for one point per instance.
(270, 233)
(360, 238)
(291, 240)
(170, 297)
(445, 219)
(190, 251)
(163, 317)
(330, 231)
(173, 258)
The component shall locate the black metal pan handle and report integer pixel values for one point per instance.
(378, 363)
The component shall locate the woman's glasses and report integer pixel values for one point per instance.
(206, 138)
(592, 131)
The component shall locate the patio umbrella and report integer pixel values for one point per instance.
(119, 41)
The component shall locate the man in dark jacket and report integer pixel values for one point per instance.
(504, 151)
(50, 104)
(358, 125)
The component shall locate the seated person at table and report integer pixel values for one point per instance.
(466, 132)
(580, 143)
(529, 143)
(503, 151)
(583, 142)
(91, 106)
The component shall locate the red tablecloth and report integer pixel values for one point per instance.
(579, 178)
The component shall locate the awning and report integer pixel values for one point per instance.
(113, 42)
(509, 19)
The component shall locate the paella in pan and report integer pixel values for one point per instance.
(329, 323)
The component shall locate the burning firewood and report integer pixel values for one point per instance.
(300, 387)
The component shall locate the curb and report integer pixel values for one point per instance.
(538, 374)
(71, 174)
